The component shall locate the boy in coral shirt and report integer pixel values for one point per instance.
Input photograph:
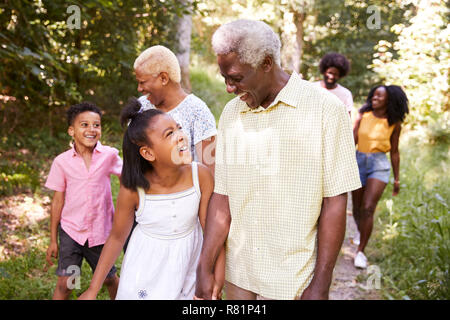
(82, 208)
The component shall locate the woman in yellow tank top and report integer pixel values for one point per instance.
(376, 132)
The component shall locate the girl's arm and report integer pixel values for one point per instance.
(206, 181)
(395, 157)
(207, 187)
(219, 275)
(356, 127)
(127, 202)
(55, 218)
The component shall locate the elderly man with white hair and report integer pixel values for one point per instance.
(285, 160)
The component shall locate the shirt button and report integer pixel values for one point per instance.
(174, 216)
(173, 202)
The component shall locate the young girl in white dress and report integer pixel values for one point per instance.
(169, 195)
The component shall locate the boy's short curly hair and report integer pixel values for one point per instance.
(76, 109)
(157, 59)
(336, 60)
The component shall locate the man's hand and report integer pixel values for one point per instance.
(314, 292)
(52, 251)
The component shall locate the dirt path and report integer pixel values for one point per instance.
(349, 283)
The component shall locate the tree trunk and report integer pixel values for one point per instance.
(292, 39)
(184, 27)
(299, 18)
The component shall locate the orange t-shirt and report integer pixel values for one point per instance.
(374, 134)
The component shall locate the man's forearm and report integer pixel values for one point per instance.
(216, 231)
(330, 235)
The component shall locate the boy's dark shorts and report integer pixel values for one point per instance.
(72, 253)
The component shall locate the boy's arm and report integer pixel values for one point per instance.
(127, 201)
(55, 218)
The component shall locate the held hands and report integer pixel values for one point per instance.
(216, 293)
(205, 286)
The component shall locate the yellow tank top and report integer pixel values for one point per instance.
(374, 134)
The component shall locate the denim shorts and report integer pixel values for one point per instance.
(373, 165)
(71, 255)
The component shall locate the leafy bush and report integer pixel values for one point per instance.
(412, 246)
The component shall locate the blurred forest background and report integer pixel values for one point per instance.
(45, 66)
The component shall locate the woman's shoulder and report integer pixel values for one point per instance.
(196, 112)
(195, 104)
(193, 98)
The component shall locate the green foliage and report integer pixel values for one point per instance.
(412, 246)
(25, 158)
(208, 87)
(24, 278)
(46, 66)
(341, 26)
(421, 66)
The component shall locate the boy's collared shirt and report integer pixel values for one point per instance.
(276, 165)
(88, 207)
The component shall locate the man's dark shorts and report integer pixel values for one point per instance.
(72, 253)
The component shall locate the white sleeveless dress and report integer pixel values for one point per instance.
(164, 248)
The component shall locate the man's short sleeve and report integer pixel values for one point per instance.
(56, 178)
(220, 172)
(340, 170)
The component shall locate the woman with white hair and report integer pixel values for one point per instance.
(158, 74)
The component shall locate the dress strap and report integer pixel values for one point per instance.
(194, 166)
(141, 194)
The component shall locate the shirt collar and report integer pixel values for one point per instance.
(285, 95)
(98, 148)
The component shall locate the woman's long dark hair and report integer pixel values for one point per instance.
(397, 103)
(135, 136)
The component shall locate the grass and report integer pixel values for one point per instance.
(411, 242)
(24, 275)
